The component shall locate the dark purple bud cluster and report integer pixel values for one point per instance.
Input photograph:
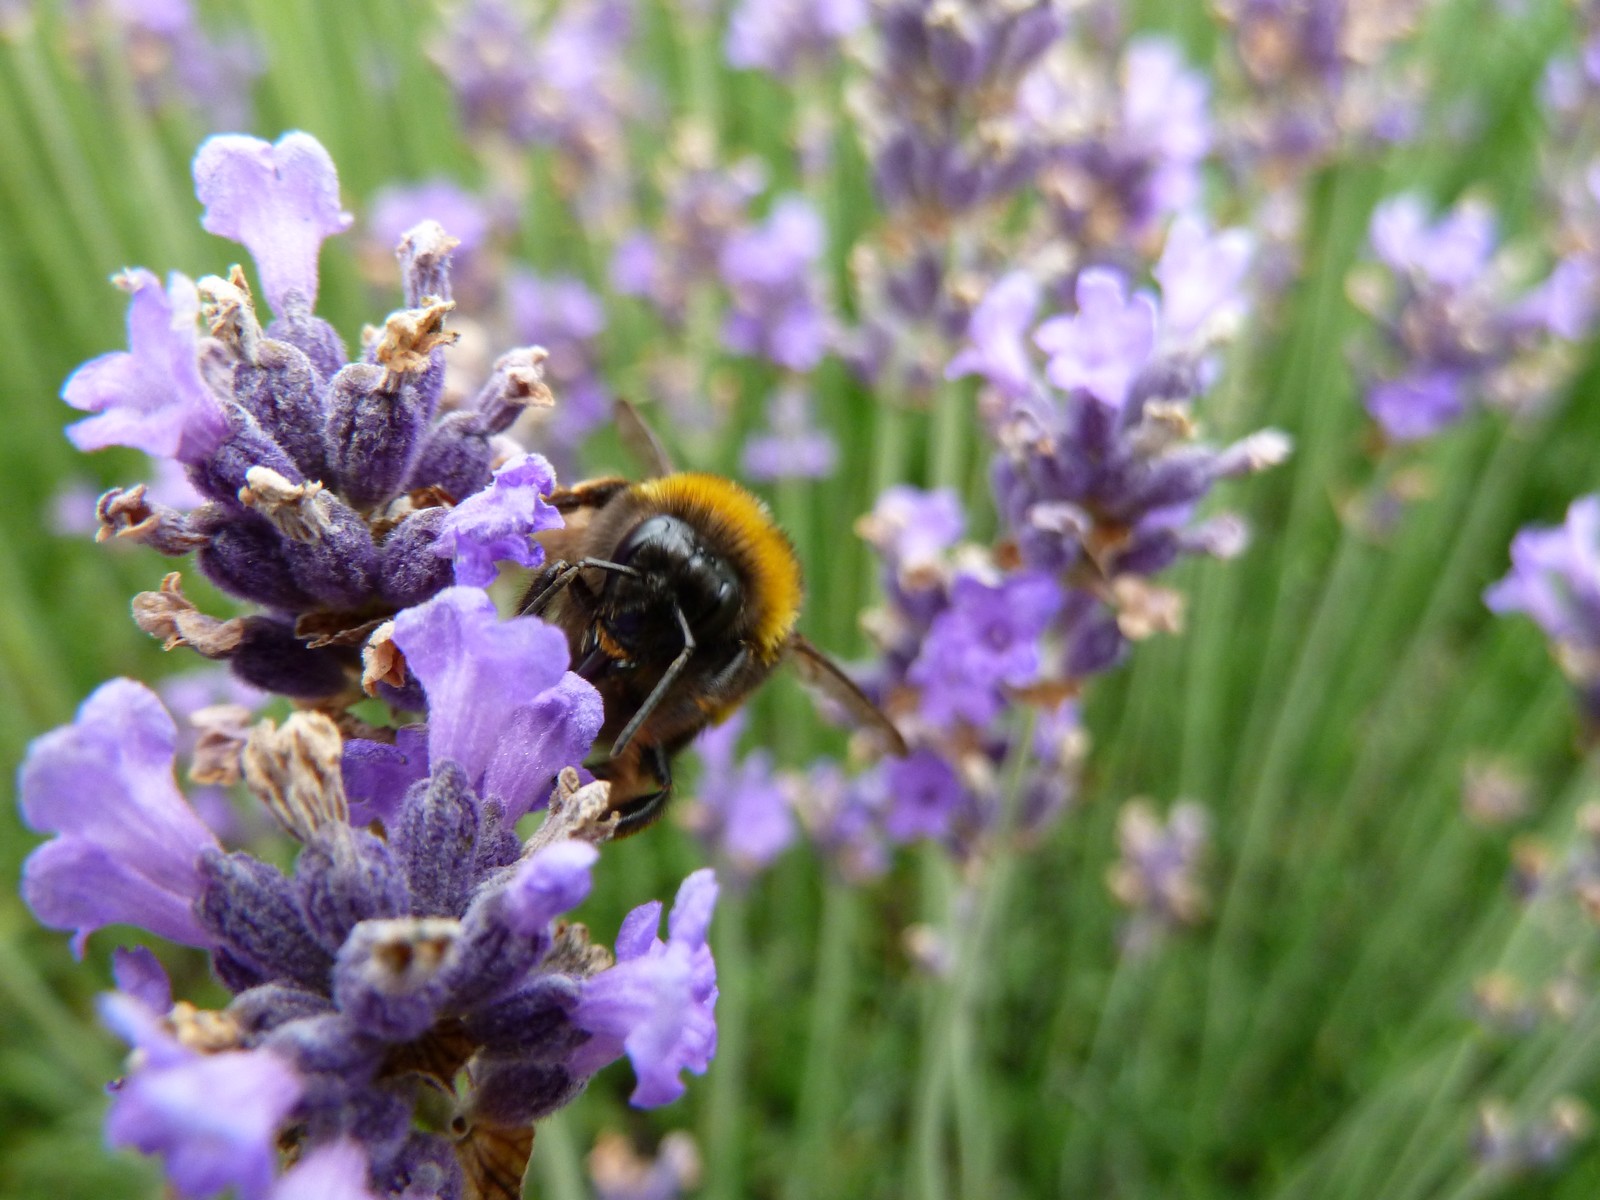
(327, 484)
(944, 97)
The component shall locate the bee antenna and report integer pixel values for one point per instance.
(660, 690)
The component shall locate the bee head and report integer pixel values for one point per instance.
(674, 568)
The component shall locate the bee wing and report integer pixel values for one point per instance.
(639, 439)
(817, 670)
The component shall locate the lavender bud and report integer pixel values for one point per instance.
(455, 456)
(345, 876)
(425, 1166)
(234, 973)
(375, 426)
(437, 830)
(531, 1023)
(259, 1010)
(339, 566)
(315, 338)
(250, 906)
(424, 253)
(280, 388)
(270, 657)
(390, 975)
(247, 445)
(516, 385)
(248, 558)
(128, 514)
(513, 1092)
(409, 572)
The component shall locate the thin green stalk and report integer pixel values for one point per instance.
(724, 1122)
(556, 1161)
(821, 1099)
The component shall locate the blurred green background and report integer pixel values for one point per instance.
(1314, 1038)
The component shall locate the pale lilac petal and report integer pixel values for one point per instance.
(139, 973)
(553, 880)
(498, 523)
(486, 678)
(213, 1118)
(277, 200)
(377, 774)
(998, 332)
(1105, 345)
(151, 396)
(1202, 276)
(129, 844)
(1417, 406)
(335, 1171)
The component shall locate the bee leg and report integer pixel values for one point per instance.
(557, 577)
(638, 812)
(546, 586)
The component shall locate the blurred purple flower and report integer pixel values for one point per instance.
(1450, 252)
(1105, 344)
(925, 795)
(1202, 277)
(998, 336)
(794, 448)
(770, 271)
(779, 36)
(1417, 406)
(987, 639)
(742, 807)
(1555, 577)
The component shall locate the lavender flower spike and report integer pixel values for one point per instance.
(129, 844)
(657, 1004)
(151, 396)
(277, 200)
(498, 523)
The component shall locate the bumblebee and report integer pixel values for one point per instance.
(679, 596)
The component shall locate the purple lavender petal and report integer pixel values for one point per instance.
(657, 1005)
(997, 331)
(546, 885)
(498, 523)
(214, 1118)
(277, 200)
(139, 973)
(1202, 275)
(1106, 344)
(747, 809)
(1417, 406)
(130, 844)
(377, 775)
(924, 796)
(336, 1171)
(1555, 577)
(150, 396)
(485, 677)
(396, 210)
(777, 35)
